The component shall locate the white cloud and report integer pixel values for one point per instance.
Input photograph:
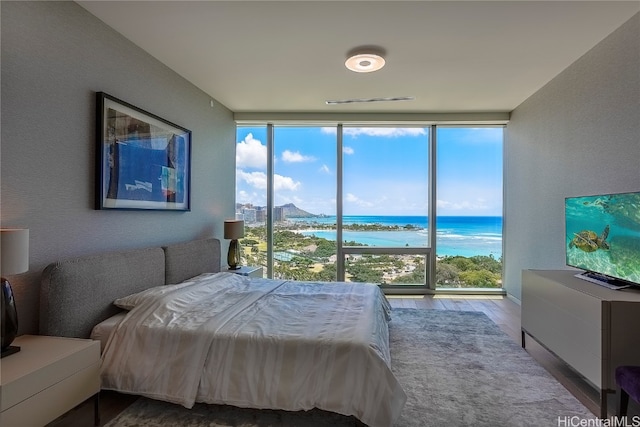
(254, 179)
(352, 198)
(296, 157)
(254, 197)
(347, 150)
(285, 183)
(385, 132)
(251, 153)
(325, 169)
(259, 181)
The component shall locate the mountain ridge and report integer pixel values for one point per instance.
(289, 210)
(292, 211)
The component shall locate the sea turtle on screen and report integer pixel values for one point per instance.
(589, 241)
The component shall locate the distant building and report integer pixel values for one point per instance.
(249, 215)
(261, 215)
(278, 214)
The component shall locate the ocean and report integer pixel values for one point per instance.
(455, 235)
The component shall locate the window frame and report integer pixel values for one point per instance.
(429, 286)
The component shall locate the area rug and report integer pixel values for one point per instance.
(457, 368)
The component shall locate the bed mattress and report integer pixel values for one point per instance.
(227, 339)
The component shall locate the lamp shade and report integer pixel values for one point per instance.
(14, 251)
(233, 229)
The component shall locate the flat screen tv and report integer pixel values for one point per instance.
(603, 238)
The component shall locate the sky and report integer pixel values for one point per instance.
(385, 170)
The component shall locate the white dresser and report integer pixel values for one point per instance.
(46, 378)
(592, 328)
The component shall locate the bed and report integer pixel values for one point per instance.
(184, 332)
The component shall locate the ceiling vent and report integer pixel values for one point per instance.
(364, 100)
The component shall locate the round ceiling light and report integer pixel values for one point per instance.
(365, 62)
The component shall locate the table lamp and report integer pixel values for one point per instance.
(14, 259)
(234, 230)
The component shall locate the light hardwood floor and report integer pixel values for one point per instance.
(503, 311)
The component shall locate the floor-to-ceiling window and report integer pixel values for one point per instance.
(251, 192)
(374, 204)
(304, 203)
(469, 207)
(385, 205)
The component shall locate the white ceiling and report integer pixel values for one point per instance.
(288, 56)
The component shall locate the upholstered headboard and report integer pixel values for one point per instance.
(77, 294)
(186, 260)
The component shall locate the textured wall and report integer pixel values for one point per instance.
(578, 135)
(55, 56)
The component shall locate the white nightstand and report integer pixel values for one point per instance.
(246, 270)
(48, 377)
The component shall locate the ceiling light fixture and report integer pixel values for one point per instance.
(365, 60)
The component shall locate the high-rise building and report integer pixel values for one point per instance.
(249, 215)
(278, 214)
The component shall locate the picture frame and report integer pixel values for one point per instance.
(143, 161)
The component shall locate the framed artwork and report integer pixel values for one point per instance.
(143, 161)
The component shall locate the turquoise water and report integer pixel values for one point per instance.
(464, 236)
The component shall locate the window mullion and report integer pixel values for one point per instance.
(270, 200)
(339, 241)
(433, 198)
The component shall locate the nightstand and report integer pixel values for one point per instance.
(246, 270)
(48, 377)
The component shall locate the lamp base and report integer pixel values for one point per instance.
(233, 257)
(8, 314)
(9, 351)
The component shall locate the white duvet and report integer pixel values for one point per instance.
(223, 338)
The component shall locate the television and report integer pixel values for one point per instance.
(603, 238)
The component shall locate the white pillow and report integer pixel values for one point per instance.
(132, 300)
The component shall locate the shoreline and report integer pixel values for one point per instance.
(305, 251)
(446, 244)
(456, 236)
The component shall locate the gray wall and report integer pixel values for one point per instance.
(578, 135)
(55, 56)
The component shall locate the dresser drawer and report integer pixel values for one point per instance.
(48, 377)
(54, 401)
